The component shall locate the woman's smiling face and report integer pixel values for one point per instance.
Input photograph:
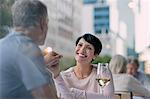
(84, 52)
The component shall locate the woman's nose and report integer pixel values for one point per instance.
(82, 49)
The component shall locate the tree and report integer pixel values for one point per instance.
(68, 62)
(102, 59)
(5, 16)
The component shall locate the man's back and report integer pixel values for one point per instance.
(20, 67)
(125, 82)
(143, 78)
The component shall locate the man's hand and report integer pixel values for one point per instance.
(52, 62)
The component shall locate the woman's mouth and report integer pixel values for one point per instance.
(82, 55)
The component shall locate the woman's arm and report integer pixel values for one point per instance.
(62, 90)
(77, 93)
(82, 94)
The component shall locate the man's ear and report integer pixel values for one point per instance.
(42, 23)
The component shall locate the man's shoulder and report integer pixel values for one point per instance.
(15, 38)
(5, 38)
(19, 43)
(7, 44)
(141, 74)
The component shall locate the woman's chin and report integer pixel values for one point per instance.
(81, 60)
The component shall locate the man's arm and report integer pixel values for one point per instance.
(45, 92)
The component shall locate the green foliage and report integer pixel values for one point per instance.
(5, 16)
(67, 62)
(102, 59)
(2, 32)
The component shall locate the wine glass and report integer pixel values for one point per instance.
(103, 75)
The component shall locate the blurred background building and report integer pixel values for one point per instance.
(130, 20)
(64, 24)
(112, 21)
(142, 31)
(123, 26)
(96, 20)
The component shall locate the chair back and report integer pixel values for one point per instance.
(123, 95)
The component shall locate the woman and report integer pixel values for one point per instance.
(125, 82)
(81, 79)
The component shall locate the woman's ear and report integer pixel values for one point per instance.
(95, 56)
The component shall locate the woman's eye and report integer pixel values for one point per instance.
(79, 44)
(89, 48)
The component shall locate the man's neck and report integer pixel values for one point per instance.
(30, 32)
(136, 75)
(22, 30)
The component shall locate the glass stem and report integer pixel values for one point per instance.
(101, 90)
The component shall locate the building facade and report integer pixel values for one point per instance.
(96, 20)
(142, 33)
(122, 27)
(129, 32)
(64, 24)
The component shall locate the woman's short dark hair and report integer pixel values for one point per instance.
(92, 40)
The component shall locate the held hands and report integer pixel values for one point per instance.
(52, 62)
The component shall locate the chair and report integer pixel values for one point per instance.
(117, 96)
(123, 95)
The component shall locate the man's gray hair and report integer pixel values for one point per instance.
(133, 60)
(28, 13)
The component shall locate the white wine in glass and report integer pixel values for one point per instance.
(103, 75)
(103, 81)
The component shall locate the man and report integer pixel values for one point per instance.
(22, 71)
(132, 69)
